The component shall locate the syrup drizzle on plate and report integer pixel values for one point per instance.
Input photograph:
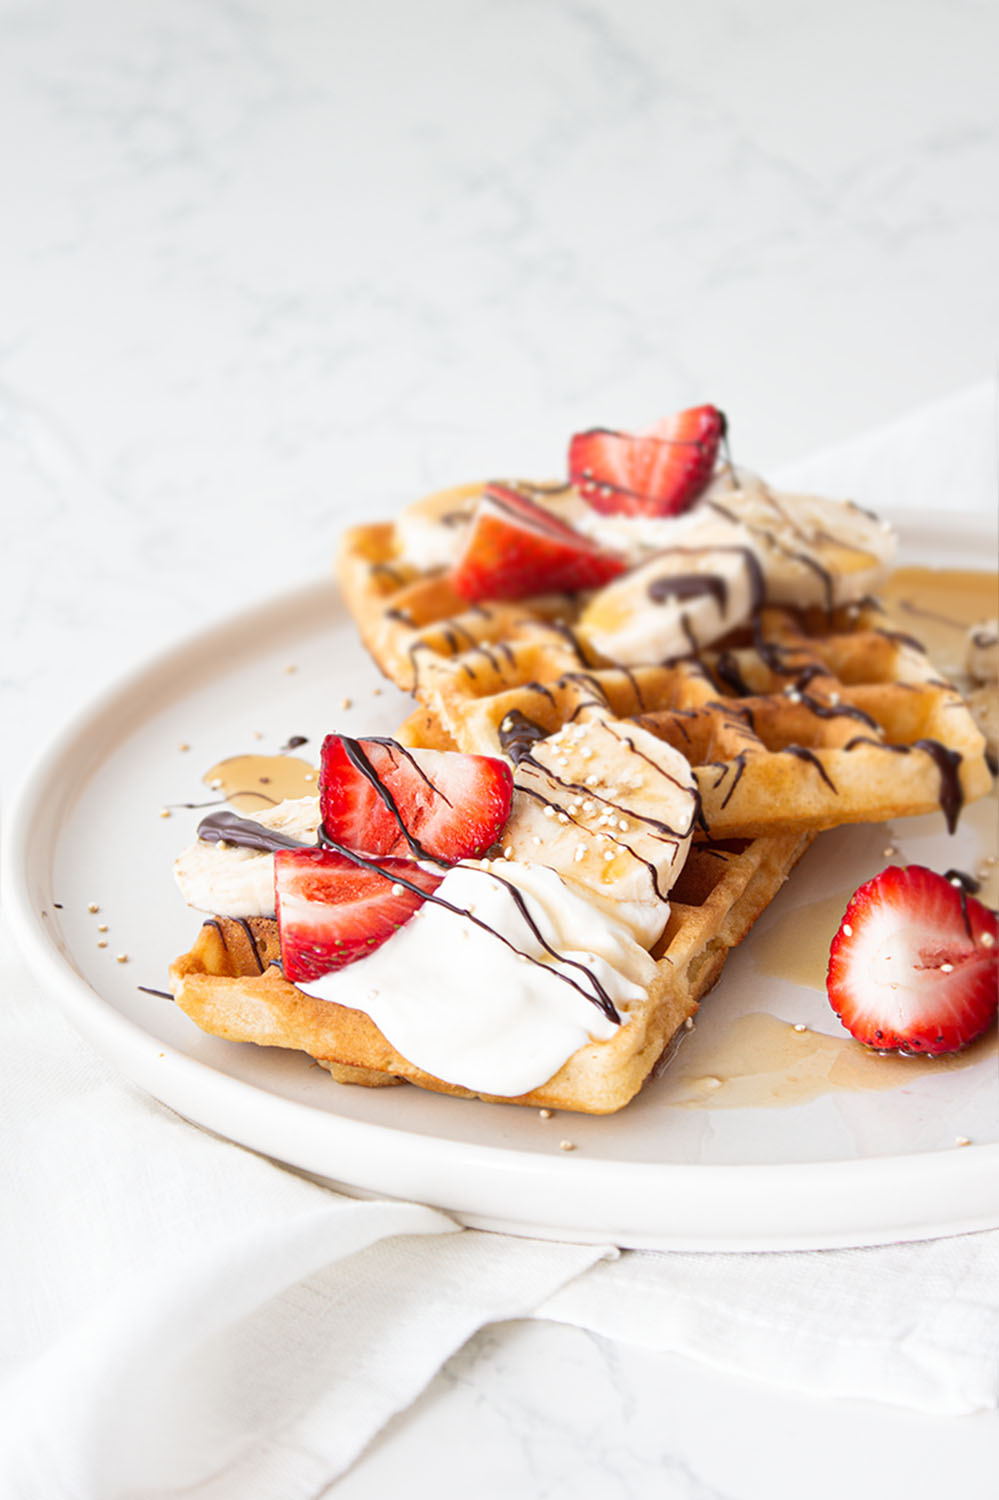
(762, 1062)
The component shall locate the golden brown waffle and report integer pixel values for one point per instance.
(809, 721)
(230, 986)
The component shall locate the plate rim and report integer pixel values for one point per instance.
(214, 1099)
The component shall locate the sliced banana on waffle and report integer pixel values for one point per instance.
(812, 551)
(685, 597)
(611, 808)
(740, 548)
(218, 877)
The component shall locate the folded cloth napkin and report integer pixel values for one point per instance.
(188, 1316)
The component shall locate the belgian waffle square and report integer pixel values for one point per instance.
(807, 721)
(231, 985)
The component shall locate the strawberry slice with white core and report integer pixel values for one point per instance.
(378, 797)
(659, 471)
(332, 911)
(516, 548)
(914, 966)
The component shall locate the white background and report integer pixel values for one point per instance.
(266, 266)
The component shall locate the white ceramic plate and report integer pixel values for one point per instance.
(857, 1166)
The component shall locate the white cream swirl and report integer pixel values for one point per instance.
(480, 1000)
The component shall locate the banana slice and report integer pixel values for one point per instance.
(685, 597)
(219, 878)
(430, 533)
(983, 652)
(812, 551)
(611, 808)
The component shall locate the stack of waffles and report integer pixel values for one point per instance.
(677, 731)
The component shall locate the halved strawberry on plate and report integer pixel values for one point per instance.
(659, 471)
(379, 797)
(516, 548)
(332, 911)
(914, 966)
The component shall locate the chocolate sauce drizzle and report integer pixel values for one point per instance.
(951, 792)
(245, 833)
(689, 586)
(599, 996)
(803, 753)
(727, 672)
(948, 762)
(518, 735)
(359, 760)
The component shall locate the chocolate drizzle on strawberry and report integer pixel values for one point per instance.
(359, 760)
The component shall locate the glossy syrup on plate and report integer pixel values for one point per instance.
(762, 1061)
(252, 783)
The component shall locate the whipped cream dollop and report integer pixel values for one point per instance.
(476, 996)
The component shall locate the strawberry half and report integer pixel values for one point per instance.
(914, 965)
(380, 798)
(515, 548)
(332, 911)
(657, 472)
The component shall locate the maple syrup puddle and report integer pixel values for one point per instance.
(251, 783)
(763, 1062)
(796, 947)
(938, 606)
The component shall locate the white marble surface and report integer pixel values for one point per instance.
(266, 266)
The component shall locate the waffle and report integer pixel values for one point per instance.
(230, 985)
(807, 721)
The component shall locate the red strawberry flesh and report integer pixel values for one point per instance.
(333, 911)
(379, 798)
(914, 966)
(657, 472)
(516, 548)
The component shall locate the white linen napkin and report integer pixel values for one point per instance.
(181, 1315)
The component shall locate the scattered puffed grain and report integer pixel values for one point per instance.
(567, 1145)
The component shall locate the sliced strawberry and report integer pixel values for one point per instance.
(373, 793)
(332, 911)
(515, 548)
(914, 965)
(656, 472)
